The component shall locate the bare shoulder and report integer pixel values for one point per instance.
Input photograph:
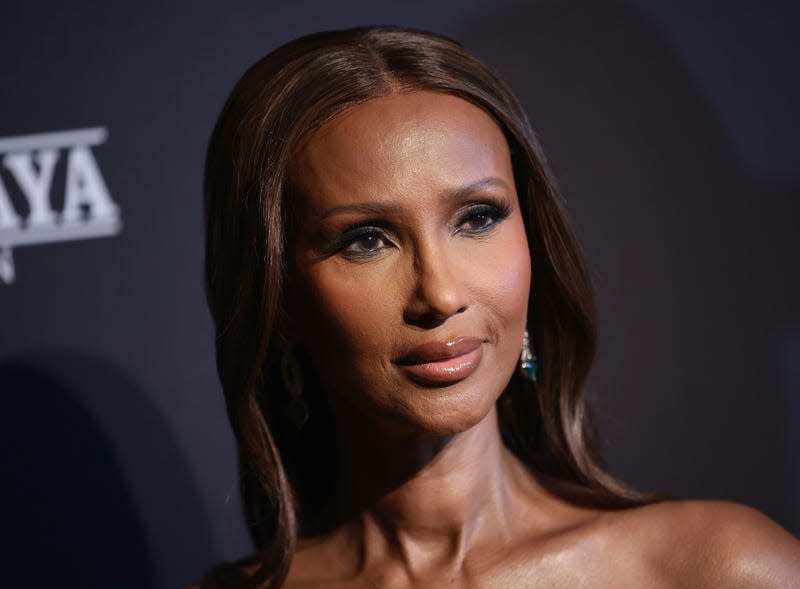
(715, 544)
(233, 574)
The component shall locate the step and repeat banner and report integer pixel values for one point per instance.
(88, 210)
(671, 132)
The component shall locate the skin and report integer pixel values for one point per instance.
(430, 495)
(434, 269)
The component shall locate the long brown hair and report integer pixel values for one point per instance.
(277, 102)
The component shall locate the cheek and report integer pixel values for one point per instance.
(344, 313)
(514, 289)
(509, 281)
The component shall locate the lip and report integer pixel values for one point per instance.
(442, 363)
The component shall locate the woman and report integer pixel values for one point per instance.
(404, 327)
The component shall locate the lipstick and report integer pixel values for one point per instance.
(442, 363)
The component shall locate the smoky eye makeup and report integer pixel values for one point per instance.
(365, 239)
(359, 240)
(482, 216)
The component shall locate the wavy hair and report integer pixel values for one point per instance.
(248, 203)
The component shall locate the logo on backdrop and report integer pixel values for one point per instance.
(88, 210)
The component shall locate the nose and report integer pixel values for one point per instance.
(439, 289)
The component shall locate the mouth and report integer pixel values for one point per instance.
(442, 363)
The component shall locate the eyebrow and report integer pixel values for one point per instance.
(389, 208)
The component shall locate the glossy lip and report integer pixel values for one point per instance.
(442, 363)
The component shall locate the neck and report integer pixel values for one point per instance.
(427, 497)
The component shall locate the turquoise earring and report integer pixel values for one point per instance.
(527, 359)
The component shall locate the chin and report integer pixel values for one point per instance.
(446, 414)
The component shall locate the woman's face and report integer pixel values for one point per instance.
(411, 268)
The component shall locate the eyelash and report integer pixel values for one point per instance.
(493, 212)
(355, 233)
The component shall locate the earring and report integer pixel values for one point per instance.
(292, 377)
(527, 359)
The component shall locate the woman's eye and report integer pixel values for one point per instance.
(478, 221)
(365, 244)
(483, 217)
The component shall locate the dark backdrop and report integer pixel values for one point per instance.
(672, 129)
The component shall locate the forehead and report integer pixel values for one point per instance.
(400, 146)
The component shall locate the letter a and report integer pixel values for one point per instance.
(85, 186)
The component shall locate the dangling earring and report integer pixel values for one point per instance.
(292, 377)
(527, 359)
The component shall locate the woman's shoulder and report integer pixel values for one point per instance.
(231, 574)
(309, 558)
(666, 544)
(710, 544)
